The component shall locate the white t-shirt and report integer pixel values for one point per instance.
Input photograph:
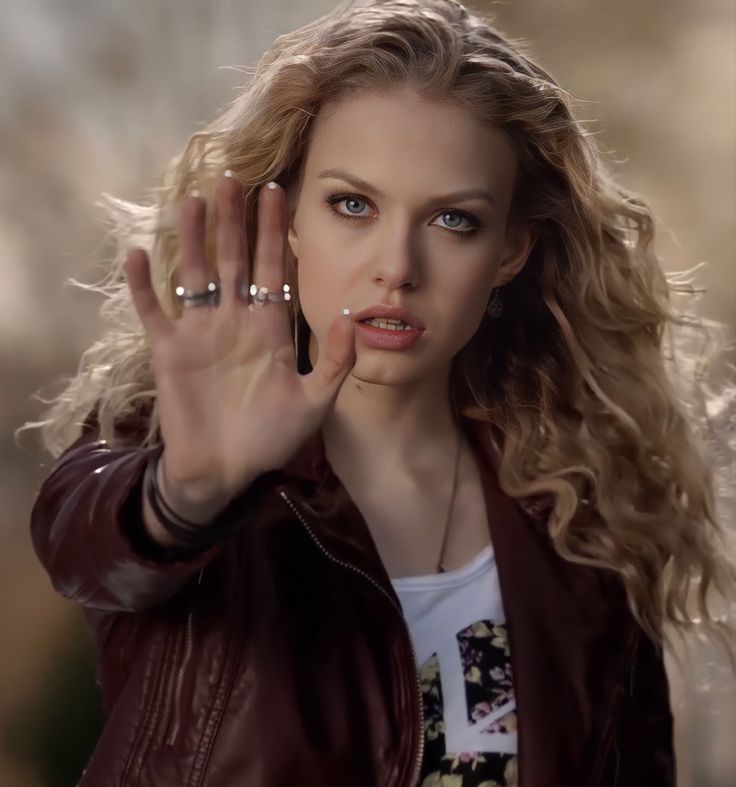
(457, 624)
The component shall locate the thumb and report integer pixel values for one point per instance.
(335, 360)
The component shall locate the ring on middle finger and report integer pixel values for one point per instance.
(261, 295)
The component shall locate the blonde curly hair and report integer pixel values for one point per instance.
(575, 375)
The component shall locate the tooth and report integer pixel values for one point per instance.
(389, 324)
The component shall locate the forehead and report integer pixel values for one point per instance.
(390, 137)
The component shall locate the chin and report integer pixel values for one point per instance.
(386, 368)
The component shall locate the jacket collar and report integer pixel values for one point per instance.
(341, 528)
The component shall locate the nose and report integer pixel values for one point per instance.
(397, 263)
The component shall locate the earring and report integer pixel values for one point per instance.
(495, 307)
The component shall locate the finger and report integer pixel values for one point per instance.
(269, 256)
(233, 264)
(335, 361)
(145, 301)
(193, 274)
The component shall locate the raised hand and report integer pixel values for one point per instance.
(231, 401)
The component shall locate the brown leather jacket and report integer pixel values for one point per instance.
(224, 669)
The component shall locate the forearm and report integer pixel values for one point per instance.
(83, 526)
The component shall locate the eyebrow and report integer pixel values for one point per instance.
(363, 185)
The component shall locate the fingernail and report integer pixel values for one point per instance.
(272, 184)
(229, 173)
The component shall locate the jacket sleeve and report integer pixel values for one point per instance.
(87, 530)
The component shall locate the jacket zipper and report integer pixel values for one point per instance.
(420, 753)
(180, 677)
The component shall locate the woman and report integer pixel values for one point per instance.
(381, 478)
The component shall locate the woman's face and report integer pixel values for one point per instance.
(374, 224)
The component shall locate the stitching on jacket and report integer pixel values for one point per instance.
(149, 701)
(163, 722)
(232, 654)
(608, 731)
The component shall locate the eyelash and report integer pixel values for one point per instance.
(333, 199)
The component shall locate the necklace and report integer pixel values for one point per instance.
(441, 570)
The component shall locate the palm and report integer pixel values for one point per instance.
(231, 401)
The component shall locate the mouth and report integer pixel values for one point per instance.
(382, 334)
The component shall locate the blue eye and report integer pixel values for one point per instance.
(353, 199)
(347, 201)
(455, 214)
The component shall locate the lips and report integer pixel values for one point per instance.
(387, 339)
(382, 310)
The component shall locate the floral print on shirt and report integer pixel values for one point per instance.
(484, 654)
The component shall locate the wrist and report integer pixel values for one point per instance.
(198, 503)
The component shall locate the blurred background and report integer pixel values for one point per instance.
(95, 97)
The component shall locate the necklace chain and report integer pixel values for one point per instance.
(440, 569)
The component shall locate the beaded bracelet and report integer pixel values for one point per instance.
(193, 535)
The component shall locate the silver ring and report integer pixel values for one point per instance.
(259, 296)
(190, 298)
(211, 296)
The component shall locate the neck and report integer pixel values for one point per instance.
(405, 430)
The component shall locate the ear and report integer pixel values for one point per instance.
(520, 240)
(293, 241)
